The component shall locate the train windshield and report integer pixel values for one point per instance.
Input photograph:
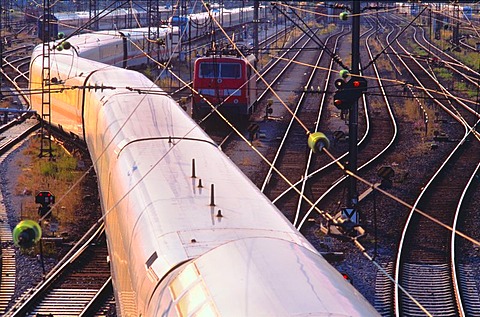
(220, 70)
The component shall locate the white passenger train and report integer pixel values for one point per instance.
(127, 24)
(189, 26)
(188, 233)
(121, 18)
(198, 24)
(123, 48)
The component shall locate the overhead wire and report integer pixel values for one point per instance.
(314, 37)
(395, 82)
(380, 267)
(249, 143)
(93, 20)
(398, 200)
(368, 183)
(283, 177)
(161, 159)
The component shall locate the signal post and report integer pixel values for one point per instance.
(352, 198)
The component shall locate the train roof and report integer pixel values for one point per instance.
(86, 40)
(224, 58)
(85, 14)
(215, 12)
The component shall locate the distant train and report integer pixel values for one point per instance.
(69, 22)
(226, 81)
(188, 233)
(445, 10)
(124, 47)
(199, 24)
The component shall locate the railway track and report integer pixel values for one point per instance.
(80, 285)
(379, 135)
(325, 179)
(10, 135)
(430, 131)
(424, 262)
(271, 73)
(183, 94)
(292, 158)
(381, 126)
(15, 72)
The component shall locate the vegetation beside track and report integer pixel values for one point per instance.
(75, 204)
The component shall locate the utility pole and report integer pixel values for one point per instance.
(352, 198)
(1, 49)
(46, 140)
(92, 13)
(255, 29)
(456, 28)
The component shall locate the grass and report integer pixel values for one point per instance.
(57, 176)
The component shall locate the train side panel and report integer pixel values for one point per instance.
(257, 277)
(177, 237)
(162, 222)
(66, 106)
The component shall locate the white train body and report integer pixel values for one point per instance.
(198, 24)
(68, 22)
(124, 48)
(177, 245)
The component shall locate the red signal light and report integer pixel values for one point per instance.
(347, 278)
(356, 84)
(44, 198)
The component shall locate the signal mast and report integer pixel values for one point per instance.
(46, 33)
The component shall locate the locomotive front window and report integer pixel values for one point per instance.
(220, 70)
(230, 70)
(209, 70)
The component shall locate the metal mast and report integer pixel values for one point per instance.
(256, 21)
(46, 141)
(92, 13)
(353, 117)
(1, 48)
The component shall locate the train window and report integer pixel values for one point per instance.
(209, 70)
(230, 70)
(220, 70)
(232, 92)
(207, 92)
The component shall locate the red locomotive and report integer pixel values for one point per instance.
(228, 82)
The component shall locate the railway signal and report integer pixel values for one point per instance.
(348, 92)
(386, 173)
(44, 198)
